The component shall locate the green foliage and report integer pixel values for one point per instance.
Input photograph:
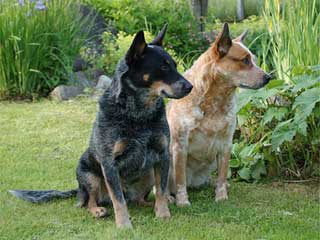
(37, 47)
(282, 121)
(130, 16)
(115, 47)
(247, 163)
(293, 30)
(282, 127)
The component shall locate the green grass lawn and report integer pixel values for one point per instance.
(40, 144)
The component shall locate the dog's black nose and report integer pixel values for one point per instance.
(266, 78)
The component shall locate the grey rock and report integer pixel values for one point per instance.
(80, 79)
(93, 75)
(103, 83)
(64, 92)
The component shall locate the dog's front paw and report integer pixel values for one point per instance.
(182, 199)
(124, 224)
(162, 211)
(221, 192)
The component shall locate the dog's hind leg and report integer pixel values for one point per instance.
(89, 187)
(82, 197)
(93, 188)
(221, 184)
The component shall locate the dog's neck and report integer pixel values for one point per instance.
(210, 83)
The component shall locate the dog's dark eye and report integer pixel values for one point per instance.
(165, 68)
(246, 61)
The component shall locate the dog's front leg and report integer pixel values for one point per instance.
(222, 184)
(161, 171)
(112, 180)
(179, 155)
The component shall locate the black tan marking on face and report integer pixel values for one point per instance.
(151, 67)
(146, 77)
(162, 89)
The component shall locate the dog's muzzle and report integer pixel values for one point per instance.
(181, 88)
(265, 80)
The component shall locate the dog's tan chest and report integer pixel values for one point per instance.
(213, 129)
(204, 144)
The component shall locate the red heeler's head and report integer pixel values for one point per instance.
(233, 62)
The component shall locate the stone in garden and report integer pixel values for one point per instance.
(77, 84)
(64, 92)
(80, 79)
(103, 83)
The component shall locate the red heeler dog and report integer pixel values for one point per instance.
(203, 123)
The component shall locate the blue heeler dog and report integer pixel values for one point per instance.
(129, 146)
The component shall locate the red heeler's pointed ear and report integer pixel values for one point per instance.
(242, 36)
(158, 40)
(223, 42)
(136, 49)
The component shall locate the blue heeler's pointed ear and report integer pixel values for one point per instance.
(158, 40)
(136, 49)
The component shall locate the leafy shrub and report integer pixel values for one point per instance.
(38, 44)
(279, 126)
(115, 47)
(130, 16)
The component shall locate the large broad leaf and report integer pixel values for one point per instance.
(305, 103)
(305, 81)
(234, 163)
(247, 95)
(244, 173)
(258, 169)
(274, 113)
(244, 97)
(247, 154)
(243, 115)
(284, 131)
(301, 127)
(276, 84)
(263, 93)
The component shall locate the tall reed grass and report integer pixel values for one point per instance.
(37, 45)
(294, 35)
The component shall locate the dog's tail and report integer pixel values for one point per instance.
(42, 196)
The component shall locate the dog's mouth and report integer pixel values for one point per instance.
(164, 94)
(245, 86)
